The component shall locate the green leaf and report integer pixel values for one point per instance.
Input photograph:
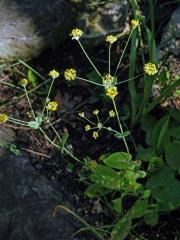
(159, 136)
(63, 141)
(121, 228)
(139, 208)
(172, 154)
(122, 135)
(106, 177)
(148, 122)
(118, 160)
(32, 77)
(117, 205)
(155, 163)
(96, 190)
(169, 197)
(151, 216)
(163, 76)
(33, 124)
(161, 178)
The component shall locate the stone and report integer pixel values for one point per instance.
(170, 40)
(30, 26)
(97, 20)
(27, 202)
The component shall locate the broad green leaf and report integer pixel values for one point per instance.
(139, 208)
(32, 77)
(151, 216)
(122, 135)
(175, 133)
(159, 136)
(96, 190)
(118, 160)
(169, 197)
(117, 205)
(172, 154)
(148, 122)
(33, 124)
(161, 178)
(163, 76)
(106, 176)
(121, 228)
(63, 141)
(155, 163)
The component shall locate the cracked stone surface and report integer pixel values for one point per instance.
(27, 202)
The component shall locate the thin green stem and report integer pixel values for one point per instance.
(9, 120)
(29, 102)
(18, 120)
(123, 52)
(47, 98)
(120, 126)
(109, 59)
(58, 147)
(86, 80)
(89, 58)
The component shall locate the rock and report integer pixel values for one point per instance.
(27, 202)
(170, 40)
(29, 26)
(98, 20)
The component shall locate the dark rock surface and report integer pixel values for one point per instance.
(170, 40)
(27, 201)
(29, 26)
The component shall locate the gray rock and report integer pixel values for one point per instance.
(27, 202)
(29, 26)
(170, 40)
(98, 20)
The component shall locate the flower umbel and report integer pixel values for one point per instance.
(81, 114)
(95, 135)
(112, 92)
(134, 23)
(112, 113)
(96, 112)
(108, 80)
(111, 39)
(87, 128)
(76, 33)
(70, 74)
(150, 68)
(99, 125)
(23, 82)
(54, 74)
(3, 118)
(52, 106)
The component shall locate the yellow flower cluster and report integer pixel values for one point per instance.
(3, 118)
(54, 74)
(52, 106)
(108, 80)
(150, 68)
(95, 135)
(23, 82)
(81, 114)
(134, 23)
(76, 33)
(93, 164)
(96, 112)
(112, 92)
(99, 125)
(111, 39)
(70, 74)
(87, 128)
(112, 113)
